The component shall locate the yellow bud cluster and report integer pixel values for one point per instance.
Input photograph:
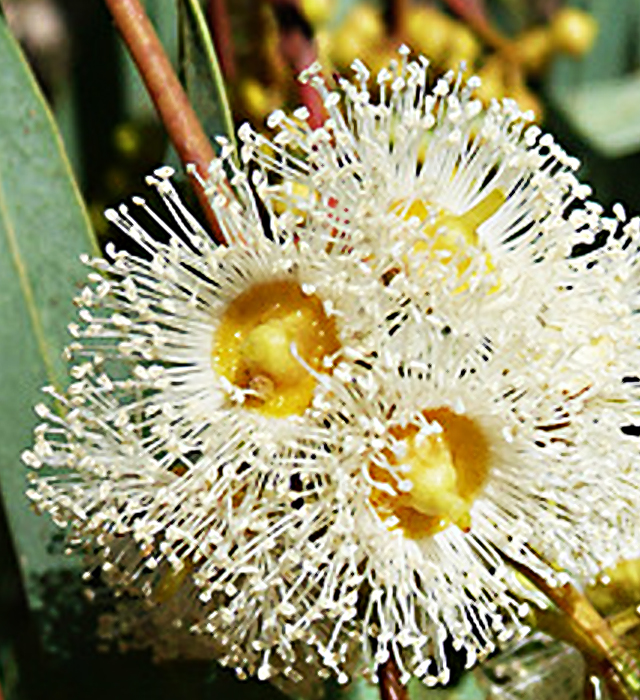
(444, 40)
(504, 64)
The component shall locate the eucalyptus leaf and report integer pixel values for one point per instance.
(201, 72)
(599, 95)
(611, 53)
(605, 115)
(43, 228)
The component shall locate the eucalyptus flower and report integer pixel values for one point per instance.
(410, 366)
(496, 423)
(181, 458)
(402, 145)
(458, 461)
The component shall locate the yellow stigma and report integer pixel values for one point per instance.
(433, 477)
(446, 465)
(252, 346)
(451, 232)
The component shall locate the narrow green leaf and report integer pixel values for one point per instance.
(43, 228)
(201, 72)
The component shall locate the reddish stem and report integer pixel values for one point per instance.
(220, 27)
(397, 11)
(299, 51)
(474, 13)
(168, 96)
(389, 682)
(547, 8)
(470, 8)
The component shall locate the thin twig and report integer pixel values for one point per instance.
(593, 627)
(389, 682)
(397, 11)
(299, 50)
(396, 17)
(220, 27)
(470, 9)
(625, 621)
(168, 96)
(616, 687)
(548, 8)
(474, 14)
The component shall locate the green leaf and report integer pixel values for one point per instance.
(605, 115)
(201, 72)
(43, 228)
(611, 53)
(599, 94)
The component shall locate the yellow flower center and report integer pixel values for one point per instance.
(452, 232)
(253, 346)
(446, 465)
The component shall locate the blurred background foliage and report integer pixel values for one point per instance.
(574, 64)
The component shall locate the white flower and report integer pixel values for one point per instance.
(207, 330)
(455, 461)
(423, 181)
(182, 460)
(494, 423)
(337, 432)
(191, 545)
(394, 148)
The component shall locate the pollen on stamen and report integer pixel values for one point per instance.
(446, 234)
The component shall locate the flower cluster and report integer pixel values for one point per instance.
(324, 443)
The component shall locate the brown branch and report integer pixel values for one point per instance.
(396, 14)
(389, 682)
(595, 630)
(220, 28)
(616, 687)
(474, 14)
(168, 96)
(548, 8)
(299, 50)
(470, 9)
